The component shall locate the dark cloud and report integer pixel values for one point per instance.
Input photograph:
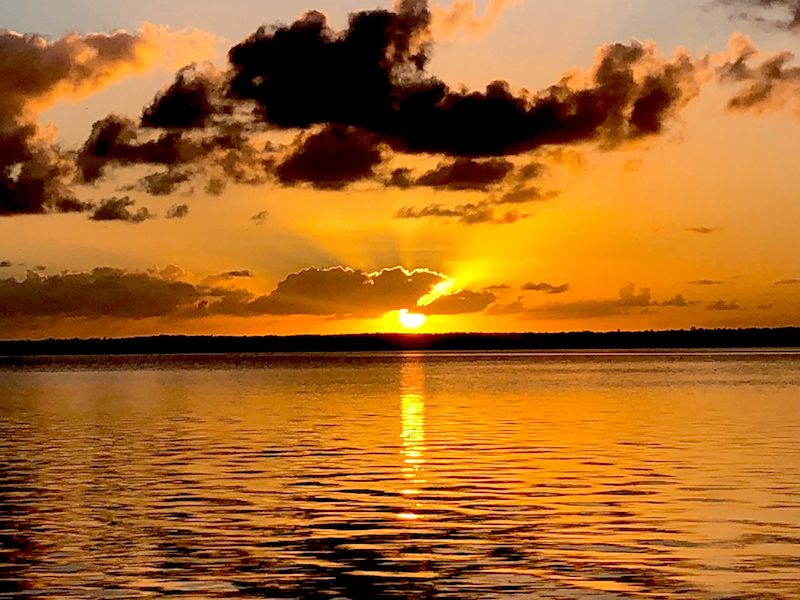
(331, 158)
(497, 287)
(115, 140)
(703, 230)
(102, 292)
(119, 209)
(162, 183)
(768, 85)
(359, 92)
(342, 291)
(547, 288)
(629, 298)
(466, 174)
(473, 213)
(188, 103)
(260, 217)
(513, 308)
(679, 301)
(227, 277)
(35, 174)
(215, 186)
(788, 282)
(705, 282)
(177, 211)
(462, 302)
(246, 273)
(306, 74)
(338, 291)
(4, 264)
(721, 305)
(782, 14)
(522, 194)
(459, 174)
(371, 76)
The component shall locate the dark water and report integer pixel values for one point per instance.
(649, 475)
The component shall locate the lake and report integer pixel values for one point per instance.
(417, 475)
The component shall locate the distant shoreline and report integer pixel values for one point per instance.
(784, 337)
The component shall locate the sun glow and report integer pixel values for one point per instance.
(410, 320)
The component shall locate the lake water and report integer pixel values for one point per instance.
(462, 475)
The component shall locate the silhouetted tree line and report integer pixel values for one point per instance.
(786, 337)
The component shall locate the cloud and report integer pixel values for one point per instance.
(458, 303)
(545, 287)
(331, 158)
(177, 211)
(360, 93)
(260, 217)
(679, 301)
(338, 291)
(371, 76)
(629, 298)
(461, 17)
(473, 213)
(4, 264)
(227, 277)
(721, 305)
(34, 173)
(247, 273)
(115, 140)
(768, 85)
(513, 308)
(703, 230)
(344, 291)
(190, 101)
(788, 282)
(632, 165)
(102, 292)
(162, 183)
(119, 209)
(461, 174)
(781, 14)
(705, 282)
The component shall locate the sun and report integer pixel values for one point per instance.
(410, 320)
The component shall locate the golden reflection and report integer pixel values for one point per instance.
(412, 434)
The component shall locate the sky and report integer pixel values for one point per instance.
(255, 168)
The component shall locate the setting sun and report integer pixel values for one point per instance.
(410, 320)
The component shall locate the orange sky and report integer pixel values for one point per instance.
(637, 169)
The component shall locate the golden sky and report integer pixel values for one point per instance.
(499, 165)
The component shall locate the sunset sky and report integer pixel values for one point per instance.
(253, 167)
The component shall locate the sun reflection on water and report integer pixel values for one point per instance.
(412, 434)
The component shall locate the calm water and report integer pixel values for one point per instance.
(492, 475)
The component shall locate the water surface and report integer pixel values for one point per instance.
(439, 475)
